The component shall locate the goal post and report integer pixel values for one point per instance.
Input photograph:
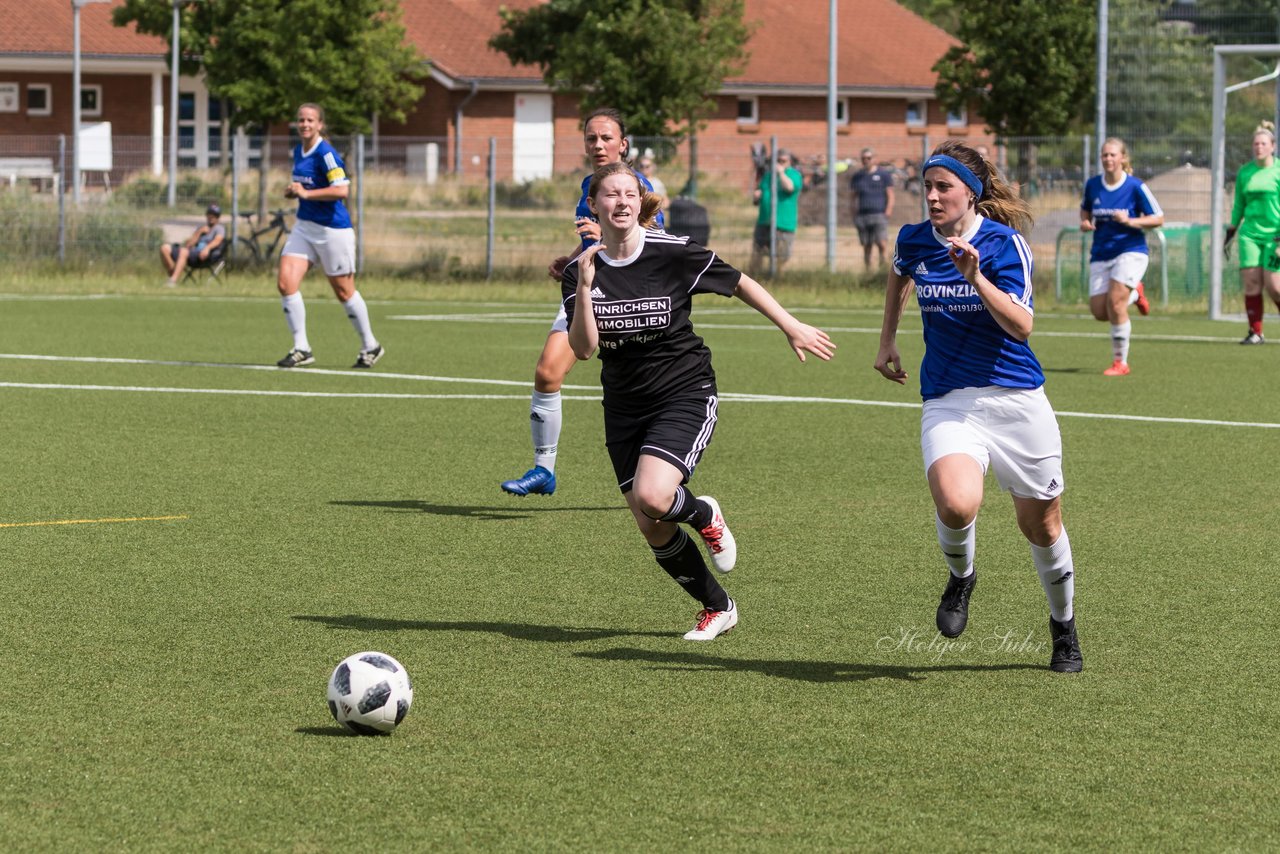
(1218, 185)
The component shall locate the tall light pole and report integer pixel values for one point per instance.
(833, 40)
(173, 107)
(76, 5)
(1100, 121)
(174, 70)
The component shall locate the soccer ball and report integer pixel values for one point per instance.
(369, 693)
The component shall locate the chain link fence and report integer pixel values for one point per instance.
(427, 211)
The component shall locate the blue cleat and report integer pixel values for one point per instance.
(536, 480)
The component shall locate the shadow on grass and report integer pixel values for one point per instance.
(805, 671)
(326, 731)
(1061, 370)
(516, 631)
(496, 513)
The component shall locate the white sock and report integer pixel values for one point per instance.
(1133, 295)
(295, 314)
(359, 314)
(544, 420)
(958, 546)
(1120, 340)
(1057, 576)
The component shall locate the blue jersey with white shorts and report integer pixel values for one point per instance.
(964, 345)
(1111, 238)
(584, 212)
(317, 168)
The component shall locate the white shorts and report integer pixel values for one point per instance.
(1012, 430)
(1127, 268)
(334, 249)
(561, 323)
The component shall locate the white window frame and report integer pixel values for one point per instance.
(923, 110)
(754, 118)
(842, 112)
(48, 99)
(958, 119)
(97, 90)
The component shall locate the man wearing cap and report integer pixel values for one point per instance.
(202, 245)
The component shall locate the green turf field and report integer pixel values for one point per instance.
(166, 676)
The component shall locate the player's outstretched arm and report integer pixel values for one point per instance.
(801, 336)
(888, 361)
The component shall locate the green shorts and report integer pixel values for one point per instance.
(1258, 252)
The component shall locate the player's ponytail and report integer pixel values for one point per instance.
(1269, 128)
(998, 200)
(650, 204)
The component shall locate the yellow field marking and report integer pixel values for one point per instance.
(90, 521)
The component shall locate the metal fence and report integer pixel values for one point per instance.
(429, 211)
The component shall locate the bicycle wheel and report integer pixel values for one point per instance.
(247, 253)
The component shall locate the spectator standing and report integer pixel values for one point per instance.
(790, 182)
(872, 188)
(649, 170)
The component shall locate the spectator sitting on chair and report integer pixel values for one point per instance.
(199, 248)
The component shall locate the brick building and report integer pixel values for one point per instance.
(885, 86)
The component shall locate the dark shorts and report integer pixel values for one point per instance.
(872, 228)
(678, 432)
(785, 239)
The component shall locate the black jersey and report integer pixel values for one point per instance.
(647, 344)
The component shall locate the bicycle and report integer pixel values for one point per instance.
(255, 250)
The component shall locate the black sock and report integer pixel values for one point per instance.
(687, 508)
(682, 559)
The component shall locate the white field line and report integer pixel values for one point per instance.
(255, 392)
(526, 317)
(103, 360)
(734, 397)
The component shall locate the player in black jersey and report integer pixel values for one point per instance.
(629, 297)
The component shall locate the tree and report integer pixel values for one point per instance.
(943, 14)
(1027, 65)
(661, 62)
(352, 57)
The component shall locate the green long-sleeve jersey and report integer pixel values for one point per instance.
(1257, 200)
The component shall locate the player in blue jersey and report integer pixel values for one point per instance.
(323, 235)
(629, 297)
(604, 136)
(984, 402)
(1117, 207)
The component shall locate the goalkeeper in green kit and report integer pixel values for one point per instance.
(1255, 219)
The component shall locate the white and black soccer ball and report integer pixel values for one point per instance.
(370, 693)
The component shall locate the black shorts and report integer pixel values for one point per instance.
(678, 431)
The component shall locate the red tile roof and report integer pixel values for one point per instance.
(45, 27)
(454, 35)
(882, 45)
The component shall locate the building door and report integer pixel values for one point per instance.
(533, 138)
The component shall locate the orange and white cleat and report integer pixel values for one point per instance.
(1117, 369)
(1144, 307)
